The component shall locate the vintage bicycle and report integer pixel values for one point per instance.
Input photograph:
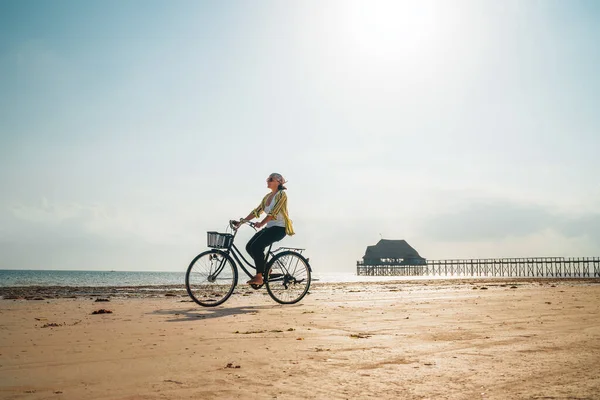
(212, 275)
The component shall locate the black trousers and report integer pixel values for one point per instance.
(258, 243)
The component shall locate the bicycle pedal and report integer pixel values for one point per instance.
(256, 287)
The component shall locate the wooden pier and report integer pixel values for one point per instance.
(538, 267)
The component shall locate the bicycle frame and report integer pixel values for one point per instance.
(237, 255)
(233, 250)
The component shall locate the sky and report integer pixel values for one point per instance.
(128, 129)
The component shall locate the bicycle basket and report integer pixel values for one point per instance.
(218, 240)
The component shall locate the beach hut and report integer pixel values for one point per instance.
(391, 257)
(397, 252)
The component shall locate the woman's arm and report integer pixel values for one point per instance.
(256, 212)
(248, 218)
(264, 221)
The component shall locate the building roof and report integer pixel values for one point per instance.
(391, 249)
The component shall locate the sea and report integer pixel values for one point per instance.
(12, 278)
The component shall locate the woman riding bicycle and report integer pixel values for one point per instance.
(278, 223)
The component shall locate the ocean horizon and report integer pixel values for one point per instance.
(27, 277)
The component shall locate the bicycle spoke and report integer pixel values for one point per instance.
(288, 278)
(211, 278)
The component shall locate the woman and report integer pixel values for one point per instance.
(278, 223)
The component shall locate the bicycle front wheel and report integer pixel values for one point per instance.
(211, 278)
(288, 277)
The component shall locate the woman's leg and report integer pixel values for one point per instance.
(256, 248)
(252, 240)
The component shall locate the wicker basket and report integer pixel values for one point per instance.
(218, 240)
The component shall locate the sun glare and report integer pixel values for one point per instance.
(391, 30)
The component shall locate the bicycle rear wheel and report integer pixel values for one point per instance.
(288, 277)
(211, 278)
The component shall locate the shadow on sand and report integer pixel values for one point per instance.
(196, 314)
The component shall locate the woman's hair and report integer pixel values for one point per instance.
(279, 179)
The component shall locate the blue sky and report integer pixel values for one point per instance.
(128, 129)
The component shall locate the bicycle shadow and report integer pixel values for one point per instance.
(209, 313)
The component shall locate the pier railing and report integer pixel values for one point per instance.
(538, 267)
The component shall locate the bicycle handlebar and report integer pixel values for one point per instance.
(235, 225)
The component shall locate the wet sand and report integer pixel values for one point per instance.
(495, 339)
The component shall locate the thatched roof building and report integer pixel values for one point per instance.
(392, 252)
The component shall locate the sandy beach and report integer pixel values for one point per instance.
(493, 339)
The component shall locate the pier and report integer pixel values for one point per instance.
(537, 267)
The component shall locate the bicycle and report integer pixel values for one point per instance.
(212, 275)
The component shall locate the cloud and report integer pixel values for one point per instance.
(587, 225)
(93, 236)
(500, 219)
(547, 243)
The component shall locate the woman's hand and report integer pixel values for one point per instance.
(237, 224)
(259, 225)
